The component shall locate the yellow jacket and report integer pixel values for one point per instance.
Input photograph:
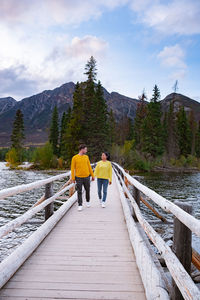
(103, 170)
(80, 166)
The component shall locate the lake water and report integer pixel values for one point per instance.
(14, 206)
(174, 187)
(184, 187)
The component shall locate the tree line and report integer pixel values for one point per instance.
(153, 136)
(173, 133)
(87, 122)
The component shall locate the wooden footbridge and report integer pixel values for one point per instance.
(98, 253)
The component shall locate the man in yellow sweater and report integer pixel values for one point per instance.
(80, 173)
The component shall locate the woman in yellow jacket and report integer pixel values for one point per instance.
(103, 172)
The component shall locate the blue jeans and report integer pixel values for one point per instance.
(102, 183)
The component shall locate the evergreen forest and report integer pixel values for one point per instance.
(154, 139)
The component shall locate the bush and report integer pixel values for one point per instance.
(129, 158)
(12, 157)
(44, 156)
(192, 161)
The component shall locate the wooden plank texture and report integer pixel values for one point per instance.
(88, 255)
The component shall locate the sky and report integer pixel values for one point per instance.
(136, 43)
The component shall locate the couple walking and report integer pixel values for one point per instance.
(81, 171)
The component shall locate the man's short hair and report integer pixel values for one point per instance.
(82, 146)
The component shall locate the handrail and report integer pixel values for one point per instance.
(38, 206)
(188, 289)
(188, 220)
(33, 185)
(11, 263)
(30, 186)
(154, 283)
(10, 226)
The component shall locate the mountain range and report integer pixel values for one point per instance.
(37, 111)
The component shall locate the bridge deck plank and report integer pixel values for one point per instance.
(88, 255)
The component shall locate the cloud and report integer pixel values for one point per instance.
(173, 57)
(179, 74)
(139, 5)
(11, 12)
(85, 47)
(49, 12)
(166, 16)
(169, 17)
(16, 81)
(44, 64)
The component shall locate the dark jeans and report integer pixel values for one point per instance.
(102, 183)
(83, 181)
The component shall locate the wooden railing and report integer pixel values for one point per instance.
(10, 264)
(154, 280)
(156, 284)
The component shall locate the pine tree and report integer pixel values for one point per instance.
(184, 133)
(172, 148)
(75, 129)
(54, 131)
(91, 70)
(89, 122)
(123, 130)
(95, 113)
(139, 119)
(197, 143)
(63, 128)
(164, 125)
(89, 103)
(18, 136)
(156, 94)
(152, 130)
(193, 129)
(112, 127)
(99, 138)
(130, 134)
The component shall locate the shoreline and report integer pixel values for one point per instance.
(156, 169)
(176, 169)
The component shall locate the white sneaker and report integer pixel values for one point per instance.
(80, 207)
(88, 204)
(103, 204)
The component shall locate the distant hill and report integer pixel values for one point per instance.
(181, 100)
(6, 104)
(38, 109)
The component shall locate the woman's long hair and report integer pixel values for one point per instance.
(107, 155)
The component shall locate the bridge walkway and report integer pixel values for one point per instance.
(88, 255)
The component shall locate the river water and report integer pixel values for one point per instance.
(181, 187)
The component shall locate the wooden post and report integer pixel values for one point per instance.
(182, 246)
(49, 209)
(136, 196)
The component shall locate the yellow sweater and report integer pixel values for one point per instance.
(80, 166)
(103, 170)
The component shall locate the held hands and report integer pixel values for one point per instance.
(93, 178)
(110, 182)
